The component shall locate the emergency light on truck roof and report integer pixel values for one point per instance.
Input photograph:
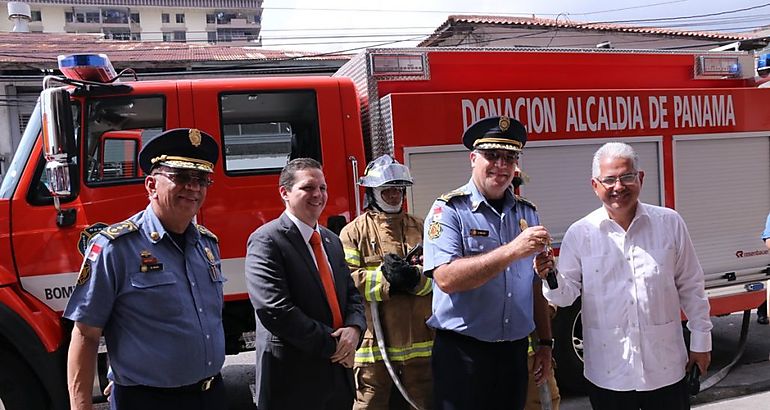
(87, 67)
(763, 63)
(717, 67)
(399, 65)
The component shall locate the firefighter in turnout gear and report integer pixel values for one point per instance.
(376, 244)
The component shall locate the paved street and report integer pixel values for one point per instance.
(750, 376)
(747, 387)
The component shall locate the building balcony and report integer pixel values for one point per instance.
(234, 23)
(172, 26)
(82, 27)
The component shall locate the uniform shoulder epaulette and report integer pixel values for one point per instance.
(526, 201)
(452, 194)
(204, 231)
(119, 229)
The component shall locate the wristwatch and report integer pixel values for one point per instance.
(545, 342)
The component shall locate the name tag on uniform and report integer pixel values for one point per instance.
(479, 232)
(155, 267)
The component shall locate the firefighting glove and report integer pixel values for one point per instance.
(402, 276)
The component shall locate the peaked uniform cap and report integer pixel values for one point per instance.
(182, 148)
(495, 133)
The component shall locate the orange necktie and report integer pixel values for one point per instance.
(326, 279)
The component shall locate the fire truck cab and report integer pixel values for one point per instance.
(51, 208)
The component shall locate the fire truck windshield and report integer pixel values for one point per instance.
(13, 172)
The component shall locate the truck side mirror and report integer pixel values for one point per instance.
(58, 139)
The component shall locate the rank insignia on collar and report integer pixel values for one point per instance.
(434, 230)
(85, 273)
(479, 232)
(209, 254)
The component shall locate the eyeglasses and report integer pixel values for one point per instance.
(507, 157)
(188, 178)
(625, 179)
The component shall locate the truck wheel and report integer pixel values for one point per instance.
(19, 387)
(568, 352)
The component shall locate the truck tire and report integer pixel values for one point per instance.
(20, 389)
(568, 351)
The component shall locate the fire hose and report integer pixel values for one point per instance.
(380, 336)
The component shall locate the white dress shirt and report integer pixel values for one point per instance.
(307, 231)
(633, 285)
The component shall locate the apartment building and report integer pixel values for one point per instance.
(202, 21)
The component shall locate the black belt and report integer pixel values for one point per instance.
(199, 386)
(459, 336)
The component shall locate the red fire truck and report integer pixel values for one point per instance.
(697, 119)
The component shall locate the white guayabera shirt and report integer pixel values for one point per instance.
(633, 284)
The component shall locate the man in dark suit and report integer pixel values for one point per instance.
(310, 316)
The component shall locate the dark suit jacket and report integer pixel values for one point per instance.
(293, 342)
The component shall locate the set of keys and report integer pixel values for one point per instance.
(550, 278)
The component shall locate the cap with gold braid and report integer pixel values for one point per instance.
(496, 133)
(185, 148)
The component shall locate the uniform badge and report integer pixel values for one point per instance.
(195, 137)
(523, 224)
(479, 232)
(504, 123)
(434, 230)
(149, 262)
(85, 273)
(86, 235)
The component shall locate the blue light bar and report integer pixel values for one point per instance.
(763, 62)
(87, 67)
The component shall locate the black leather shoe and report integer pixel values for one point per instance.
(763, 320)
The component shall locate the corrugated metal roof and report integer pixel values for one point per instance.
(551, 23)
(42, 49)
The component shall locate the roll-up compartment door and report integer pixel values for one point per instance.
(722, 190)
(435, 170)
(560, 180)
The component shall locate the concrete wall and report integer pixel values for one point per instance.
(150, 22)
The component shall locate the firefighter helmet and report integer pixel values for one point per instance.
(385, 171)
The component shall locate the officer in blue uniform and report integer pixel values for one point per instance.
(480, 241)
(152, 285)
